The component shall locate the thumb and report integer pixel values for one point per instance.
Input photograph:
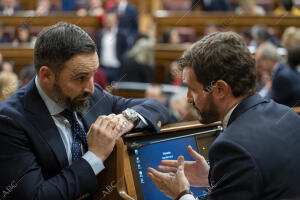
(194, 154)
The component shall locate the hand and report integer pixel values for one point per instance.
(195, 171)
(171, 184)
(103, 135)
(124, 125)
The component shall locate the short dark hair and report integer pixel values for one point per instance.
(58, 43)
(222, 56)
(293, 56)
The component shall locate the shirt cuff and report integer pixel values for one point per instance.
(95, 162)
(142, 123)
(187, 197)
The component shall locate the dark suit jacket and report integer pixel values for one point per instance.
(257, 156)
(286, 86)
(121, 44)
(216, 5)
(33, 158)
(128, 23)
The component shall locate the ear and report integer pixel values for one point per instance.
(46, 76)
(222, 89)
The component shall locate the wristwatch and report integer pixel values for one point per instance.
(131, 115)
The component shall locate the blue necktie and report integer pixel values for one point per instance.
(78, 135)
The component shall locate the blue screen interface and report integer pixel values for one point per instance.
(151, 156)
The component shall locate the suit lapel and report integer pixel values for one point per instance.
(245, 105)
(39, 116)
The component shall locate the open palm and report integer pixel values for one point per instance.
(195, 171)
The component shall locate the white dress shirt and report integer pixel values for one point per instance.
(64, 129)
(109, 49)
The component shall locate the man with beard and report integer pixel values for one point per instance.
(57, 131)
(256, 156)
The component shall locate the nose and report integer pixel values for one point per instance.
(189, 97)
(90, 86)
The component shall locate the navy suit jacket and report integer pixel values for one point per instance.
(257, 156)
(121, 44)
(285, 86)
(33, 159)
(128, 23)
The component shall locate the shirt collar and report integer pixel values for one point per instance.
(53, 107)
(227, 117)
(122, 6)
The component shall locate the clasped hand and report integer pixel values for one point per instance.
(105, 132)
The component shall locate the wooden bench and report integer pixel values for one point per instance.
(197, 20)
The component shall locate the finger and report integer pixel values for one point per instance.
(155, 172)
(166, 168)
(170, 163)
(194, 154)
(180, 169)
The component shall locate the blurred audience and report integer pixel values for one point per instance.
(26, 74)
(3, 39)
(43, 7)
(287, 7)
(23, 36)
(293, 59)
(181, 109)
(171, 36)
(100, 78)
(111, 45)
(284, 82)
(155, 92)
(8, 85)
(290, 37)
(211, 28)
(249, 7)
(246, 34)
(138, 64)
(175, 75)
(5, 65)
(211, 5)
(261, 34)
(128, 20)
(9, 7)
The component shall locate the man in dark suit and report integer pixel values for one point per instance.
(256, 156)
(284, 81)
(45, 152)
(9, 7)
(128, 20)
(111, 45)
(212, 5)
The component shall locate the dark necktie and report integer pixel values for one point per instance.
(78, 135)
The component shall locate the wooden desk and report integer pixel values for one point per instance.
(29, 18)
(21, 56)
(198, 20)
(116, 181)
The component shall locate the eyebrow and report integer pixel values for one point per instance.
(75, 74)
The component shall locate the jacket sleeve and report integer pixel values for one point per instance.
(234, 173)
(22, 175)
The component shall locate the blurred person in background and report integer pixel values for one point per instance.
(284, 81)
(9, 7)
(287, 7)
(293, 59)
(8, 85)
(290, 37)
(43, 7)
(182, 110)
(249, 7)
(175, 74)
(5, 65)
(171, 36)
(23, 36)
(246, 34)
(26, 74)
(211, 28)
(211, 5)
(261, 34)
(111, 45)
(138, 64)
(128, 20)
(154, 91)
(3, 39)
